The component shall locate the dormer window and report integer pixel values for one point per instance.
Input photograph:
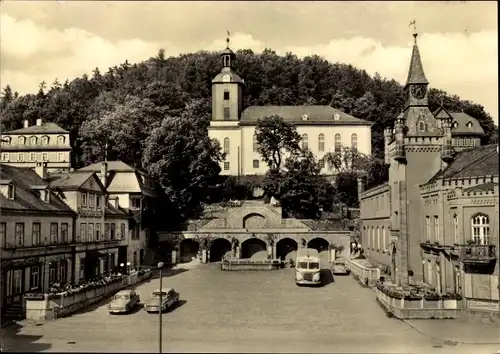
(21, 140)
(422, 127)
(60, 140)
(469, 124)
(7, 140)
(33, 140)
(454, 124)
(45, 195)
(305, 117)
(336, 116)
(11, 191)
(45, 140)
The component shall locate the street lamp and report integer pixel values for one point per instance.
(160, 312)
(128, 267)
(121, 267)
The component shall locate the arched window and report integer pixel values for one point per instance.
(481, 229)
(421, 126)
(338, 143)
(305, 142)
(255, 144)
(7, 140)
(45, 140)
(378, 238)
(33, 140)
(60, 139)
(21, 140)
(321, 143)
(226, 146)
(354, 141)
(384, 245)
(455, 228)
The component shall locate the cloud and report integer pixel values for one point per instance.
(462, 64)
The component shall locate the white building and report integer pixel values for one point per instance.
(323, 128)
(43, 142)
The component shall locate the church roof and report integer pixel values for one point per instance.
(416, 72)
(301, 115)
(474, 162)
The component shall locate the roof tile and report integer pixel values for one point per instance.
(296, 115)
(26, 198)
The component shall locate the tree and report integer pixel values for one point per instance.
(185, 161)
(346, 160)
(124, 129)
(275, 138)
(377, 172)
(301, 187)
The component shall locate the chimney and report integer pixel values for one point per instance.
(104, 173)
(26, 123)
(116, 203)
(39, 122)
(41, 169)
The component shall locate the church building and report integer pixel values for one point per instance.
(436, 221)
(322, 128)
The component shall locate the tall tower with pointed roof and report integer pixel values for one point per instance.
(419, 120)
(416, 156)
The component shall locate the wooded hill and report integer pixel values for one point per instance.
(136, 97)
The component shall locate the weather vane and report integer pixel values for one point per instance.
(415, 34)
(228, 39)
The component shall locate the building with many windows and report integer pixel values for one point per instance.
(135, 192)
(100, 226)
(436, 220)
(322, 128)
(42, 142)
(36, 236)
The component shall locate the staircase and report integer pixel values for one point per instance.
(12, 312)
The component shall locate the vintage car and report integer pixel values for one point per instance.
(169, 298)
(124, 301)
(338, 267)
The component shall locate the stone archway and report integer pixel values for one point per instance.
(322, 246)
(286, 249)
(254, 248)
(189, 249)
(219, 248)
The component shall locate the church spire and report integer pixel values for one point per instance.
(416, 72)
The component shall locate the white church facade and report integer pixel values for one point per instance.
(323, 128)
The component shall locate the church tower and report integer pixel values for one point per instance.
(227, 90)
(227, 105)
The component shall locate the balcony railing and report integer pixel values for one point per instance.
(480, 254)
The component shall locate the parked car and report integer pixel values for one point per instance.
(339, 267)
(169, 297)
(124, 301)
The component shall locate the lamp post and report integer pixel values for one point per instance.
(160, 312)
(121, 267)
(128, 267)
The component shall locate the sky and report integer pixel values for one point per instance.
(458, 40)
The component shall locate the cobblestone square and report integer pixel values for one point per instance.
(239, 312)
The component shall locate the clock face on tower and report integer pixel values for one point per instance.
(418, 91)
(226, 78)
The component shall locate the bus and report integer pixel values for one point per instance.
(307, 267)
